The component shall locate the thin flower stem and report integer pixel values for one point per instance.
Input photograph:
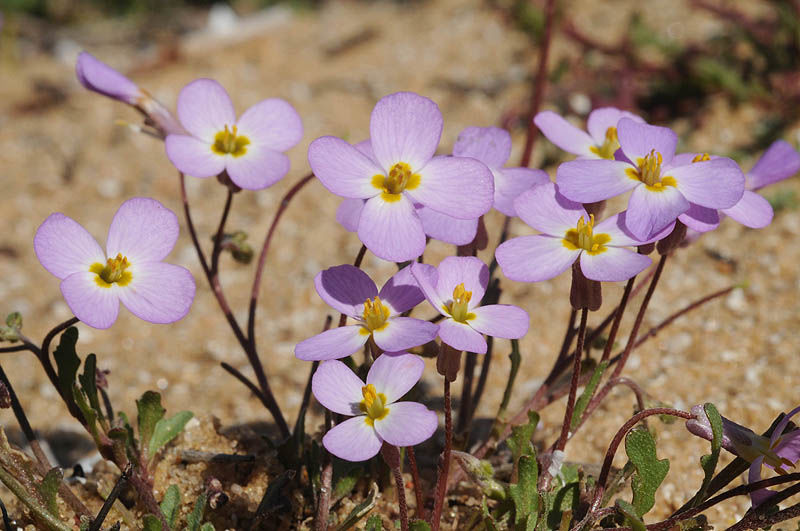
(217, 249)
(487, 361)
(412, 462)
(465, 407)
(633, 386)
(307, 391)
(444, 463)
(392, 458)
(245, 380)
(190, 226)
(6, 519)
(326, 478)
(618, 314)
(15, 348)
(573, 388)
(97, 522)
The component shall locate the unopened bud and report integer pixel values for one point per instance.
(673, 240)
(482, 473)
(236, 243)
(584, 293)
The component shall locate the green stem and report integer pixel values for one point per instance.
(40, 513)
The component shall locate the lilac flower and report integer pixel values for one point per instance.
(600, 143)
(350, 291)
(248, 148)
(569, 234)
(492, 146)
(101, 78)
(455, 289)
(405, 129)
(142, 234)
(662, 191)
(778, 452)
(379, 415)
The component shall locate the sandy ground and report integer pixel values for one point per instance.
(70, 156)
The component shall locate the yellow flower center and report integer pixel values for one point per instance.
(400, 178)
(113, 272)
(583, 238)
(649, 172)
(375, 315)
(761, 447)
(459, 307)
(701, 157)
(373, 405)
(228, 142)
(609, 146)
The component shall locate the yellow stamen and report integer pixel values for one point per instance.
(648, 171)
(459, 307)
(609, 146)
(375, 315)
(114, 272)
(400, 178)
(701, 157)
(373, 404)
(228, 141)
(583, 238)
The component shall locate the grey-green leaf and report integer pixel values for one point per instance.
(67, 361)
(207, 527)
(520, 440)
(632, 517)
(167, 429)
(524, 493)
(360, 510)
(89, 383)
(650, 471)
(709, 462)
(48, 488)
(170, 504)
(588, 391)
(374, 523)
(196, 516)
(150, 413)
(151, 523)
(419, 525)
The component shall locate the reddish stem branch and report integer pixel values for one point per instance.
(444, 462)
(412, 461)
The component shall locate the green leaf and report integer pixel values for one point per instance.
(67, 361)
(150, 413)
(170, 504)
(167, 429)
(360, 510)
(419, 525)
(88, 413)
(374, 523)
(48, 488)
(207, 527)
(631, 515)
(650, 471)
(89, 383)
(709, 462)
(588, 391)
(151, 523)
(14, 320)
(520, 440)
(196, 516)
(346, 481)
(524, 493)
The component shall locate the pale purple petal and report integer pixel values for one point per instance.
(337, 388)
(589, 181)
(613, 265)
(650, 211)
(680, 159)
(272, 123)
(461, 336)
(405, 127)
(715, 183)
(534, 258)
(563, 134)
(401, 292)
(407, 424)
(467, 270)
(99, 77)
(395, 374)
(391, 229)
(752, 211)
(602, 118)
(348, 213)
(789, 446)
(547, 211)
(778, 431)
(204, 109)
(490, 145)
(446, 228)
(158, 292)
(193, 157)
(459, 187)
(143, 230)
(258, 168)
(64, 247)
(500, 320)
(353, 440)
(94, 305)
(617, 230)
(779, 162)
(345, 288)
(343, 169)
(757, 497)
(428, 277)
(700, 219)
(332, 344)
(365, 147)
(637, 140)
(509, 183)
(403, 333)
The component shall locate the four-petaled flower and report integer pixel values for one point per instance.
(601, 142)
(405, 129)
(379, 415)
(492, 146)
(662, 191)
(569, 233)
(350, 291)
(455, 289)
(141, 235)
(250, 148)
